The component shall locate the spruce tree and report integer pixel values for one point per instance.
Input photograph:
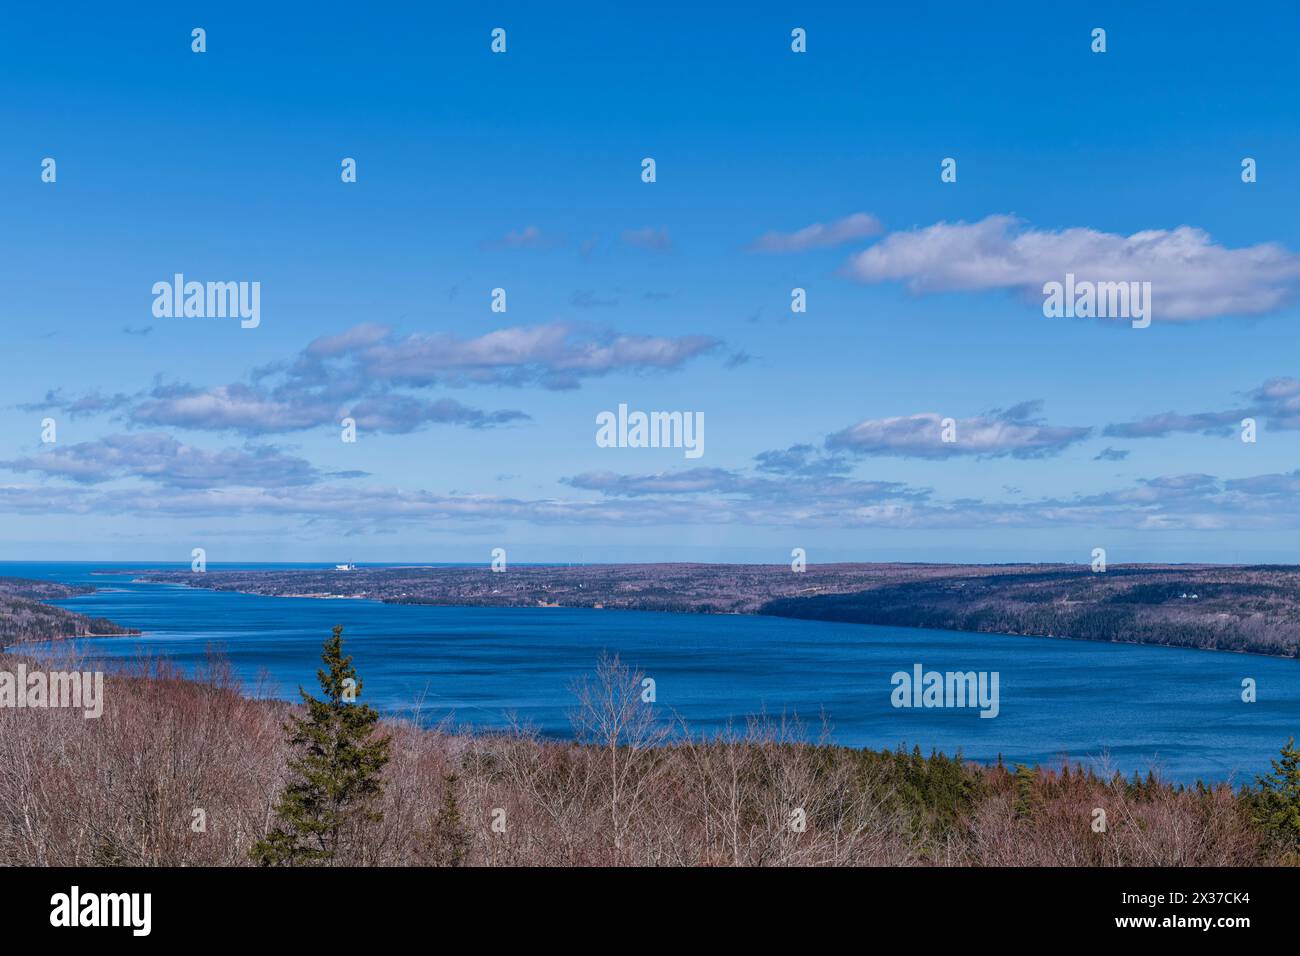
(1026, 801)
(336, 767)
(449, 839)
(1277, 803)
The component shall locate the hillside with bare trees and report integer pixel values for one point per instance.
(186, 773)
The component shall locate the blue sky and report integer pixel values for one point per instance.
(522, 171)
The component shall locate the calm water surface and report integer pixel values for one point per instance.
(1132, 707)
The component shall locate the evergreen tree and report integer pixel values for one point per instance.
(337, 769)
(1277, 803)
(449, 840)
(1025, 802)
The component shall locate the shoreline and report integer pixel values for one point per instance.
(638, 588)
(759, 612)
(28, 614)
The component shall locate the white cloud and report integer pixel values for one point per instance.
(1276, 402)
(1011, 432)
(820, 235)
(160, 458)
(1191, 277)
(359, 372)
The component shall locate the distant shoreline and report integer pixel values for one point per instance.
(1244, 609)
(576, 607)
(27, 617)
(1253, 609)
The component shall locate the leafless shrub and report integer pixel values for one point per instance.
(1148, 824)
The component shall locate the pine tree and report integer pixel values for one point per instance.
(1277, 803)
(337, 770)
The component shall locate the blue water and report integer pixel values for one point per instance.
(1106, 705)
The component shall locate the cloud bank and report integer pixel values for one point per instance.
(368, 373)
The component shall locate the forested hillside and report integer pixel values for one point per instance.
(24, 617)
(1252, 609)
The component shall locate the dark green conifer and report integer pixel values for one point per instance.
(336, 767)
(450, 840)
(1025, 799)
(1277, 802)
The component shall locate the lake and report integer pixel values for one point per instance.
(1117, 705)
